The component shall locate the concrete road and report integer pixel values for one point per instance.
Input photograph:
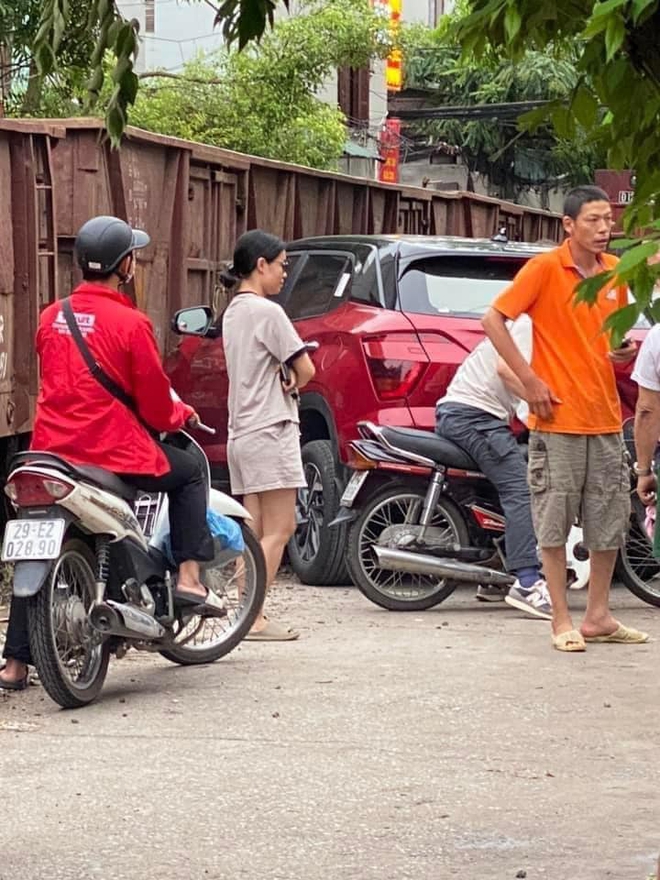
(449, 743)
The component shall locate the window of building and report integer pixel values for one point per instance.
(150, 16)
(353, 94)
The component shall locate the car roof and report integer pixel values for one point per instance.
(420, 245)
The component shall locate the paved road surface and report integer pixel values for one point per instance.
(450, 743)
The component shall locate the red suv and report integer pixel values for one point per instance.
(394, 316)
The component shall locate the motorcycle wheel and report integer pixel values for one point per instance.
(637, 568)
(71, 659)
(242, 583)
(397, 504)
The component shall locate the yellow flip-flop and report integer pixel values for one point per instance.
(571, 641)
(622, 635)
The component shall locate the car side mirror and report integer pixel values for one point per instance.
(196, 321)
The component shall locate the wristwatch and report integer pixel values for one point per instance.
(642, 472)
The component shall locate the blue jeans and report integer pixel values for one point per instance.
(491, 443)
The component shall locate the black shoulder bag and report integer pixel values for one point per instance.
(96, 369)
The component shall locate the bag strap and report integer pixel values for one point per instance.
(95, 367)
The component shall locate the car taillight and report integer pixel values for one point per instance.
(30, 490)
(396, 363)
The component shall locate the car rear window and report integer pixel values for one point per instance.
(455, 285)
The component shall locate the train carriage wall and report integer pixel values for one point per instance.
(194, 200)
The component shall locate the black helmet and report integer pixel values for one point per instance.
(103, 242)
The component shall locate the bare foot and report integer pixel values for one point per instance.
(562, 625)
(602, 626)
(194, 587)
(13, 671)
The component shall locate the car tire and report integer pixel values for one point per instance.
(317, 552)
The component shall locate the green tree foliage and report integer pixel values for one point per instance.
(513, 160)
(21, 87)
(262, 100)
(615, 102)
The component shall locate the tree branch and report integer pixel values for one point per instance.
(165, 74)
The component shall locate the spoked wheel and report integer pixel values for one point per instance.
(637, 567)
(310, 511)
(70, 657)
(241, 582)
(397, 590)
(317, 552)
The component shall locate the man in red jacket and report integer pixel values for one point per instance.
(78, 419)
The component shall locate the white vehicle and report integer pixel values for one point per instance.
(90, 555)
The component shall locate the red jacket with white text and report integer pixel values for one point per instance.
(76, 417)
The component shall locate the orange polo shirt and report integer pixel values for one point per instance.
(570, 347)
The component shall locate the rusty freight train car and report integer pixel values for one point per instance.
(193, 200)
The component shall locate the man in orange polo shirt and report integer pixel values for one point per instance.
(577, 463)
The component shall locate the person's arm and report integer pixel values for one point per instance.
(510, 379)
(302, 369)
(647, 432)
(539, 397)
(150, 387)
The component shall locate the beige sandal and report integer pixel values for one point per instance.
(571, 641)
(622, 635)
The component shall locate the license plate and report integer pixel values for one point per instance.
(353, 487)
(32, 539)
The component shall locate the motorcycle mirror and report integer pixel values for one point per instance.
(196, 321)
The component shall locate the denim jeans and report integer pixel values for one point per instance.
(491, 443)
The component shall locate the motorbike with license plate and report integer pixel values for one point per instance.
(90, 554)
(424, 519)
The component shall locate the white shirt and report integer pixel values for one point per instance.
(647, 366)
(476, 382)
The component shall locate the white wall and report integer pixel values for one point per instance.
(181, 30)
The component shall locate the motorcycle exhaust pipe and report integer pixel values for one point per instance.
(127, 621)
(420, 563)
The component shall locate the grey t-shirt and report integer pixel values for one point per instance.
(257, 337)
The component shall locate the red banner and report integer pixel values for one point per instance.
(390, 148)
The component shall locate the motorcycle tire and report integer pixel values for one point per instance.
(399, 591)
(54, 622)
(232, 629)
(637, 568)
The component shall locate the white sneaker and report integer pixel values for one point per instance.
(535, 600)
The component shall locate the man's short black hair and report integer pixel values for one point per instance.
(88, 275)
(580, 196)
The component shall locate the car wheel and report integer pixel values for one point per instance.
(317, 552)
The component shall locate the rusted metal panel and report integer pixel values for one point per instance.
(194, 200)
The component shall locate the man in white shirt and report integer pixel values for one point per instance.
(476, 413)
(647, 420)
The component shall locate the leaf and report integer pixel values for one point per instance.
(512, 22)
(621, 321)
(588, 289)
(636, 255)
(614, 36)
(638, 7)
(585, 106)
(601, 9)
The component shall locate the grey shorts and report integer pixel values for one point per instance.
(573, 475)
(266, 459)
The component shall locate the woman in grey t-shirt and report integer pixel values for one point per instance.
(263, 449)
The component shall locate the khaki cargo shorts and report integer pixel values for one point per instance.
(571, 476)
(266, 459)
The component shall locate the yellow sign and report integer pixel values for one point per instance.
(393, 65)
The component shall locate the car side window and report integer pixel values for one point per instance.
(293, 263)
(319, 286)
(365, 276)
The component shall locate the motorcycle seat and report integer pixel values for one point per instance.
(106, 480)
(86, 473)
(425, 443)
